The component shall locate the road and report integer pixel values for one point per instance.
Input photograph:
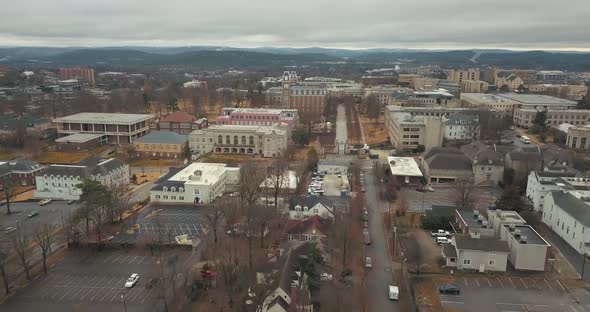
(341, 130)
(380, 276)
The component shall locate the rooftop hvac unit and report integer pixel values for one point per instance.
(476, 213)
(484, 224)
(480, 219)
(523, 239)
(498, 212)
(511, 227)
(516, 233)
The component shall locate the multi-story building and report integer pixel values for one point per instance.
(119, 128)
(20, 171)
(509, 80)
(407, 132)
(435, 97)
(80, 142)
(197, 183)
(528, 250)
(179, 122)
(345, 89)
(161, 144)
(524, 117)
(499, 218)
(407, 80)
(61, 181)
(195, 84)
(527, 76)
(265, 141)
(488, 163)
(461, 127)
(579, 137)
(470, 221)
(540, 183)
(474, 86)
(84, 74)
(310, 101)
(567, 213)
(551, 75)
(285, 118)
(452, 86)
(570, 92)
(460, 75)
(425, 84)
(385, 93)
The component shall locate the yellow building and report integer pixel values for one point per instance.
(161, 144)
(460, 75)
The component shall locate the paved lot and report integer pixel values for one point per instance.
(445, 194)
(176, 219)
(495, 294)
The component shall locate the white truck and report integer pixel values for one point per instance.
(442, 233)
(393, 292)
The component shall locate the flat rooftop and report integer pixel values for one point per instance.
(507, 216)
(532, 237)
(404, 166)
(79, 137)
(105, 118)
(535, 99)
(471, 219)
(210, 173)
(258, 110)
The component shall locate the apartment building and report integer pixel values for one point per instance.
(197, 183)
(84, 74)
(540, 183)
(579, 137)
(286, 118)
(524, 117)
(460, 75)
(61, 181)
(119, 128)
(21, 171)
(551, 75)
(265, 141)
(179, 122)
(509, 80)
(568, 214)
(474, 86)
(407, 131)
(528, 250)
(461, 127)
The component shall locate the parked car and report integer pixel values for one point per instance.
(449, 289)
(364, 217)
(393, 292)
(365, 225)
(366, 237)
(440, 233)
(442, 240)
(422, 189)
(9, 229)
(325, 277)
(132, 280)
(368, 262)
(32, 214)
(71, 202)
(44, 202)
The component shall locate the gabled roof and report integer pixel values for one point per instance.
(280, 302)
(307, 226)
(179, 116)
(164, 137)
(465, 242)
(462, 120)
(572, 205)
(474, 148)
(310, 201)
(85, 169)
(444, 158)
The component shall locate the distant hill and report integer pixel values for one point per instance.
(538, 59)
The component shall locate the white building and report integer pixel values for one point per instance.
(405, 169)
(60, 181)
(302, 207)
(498, 218)
(265, 141)
(540, 183)
(568, 214)
(461, 127)
(197, 183)
(528, 250)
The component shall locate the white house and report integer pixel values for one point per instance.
(476, 253)
(303, 207)
(568, 214)
(197, 183)
(528, 250)
(461, 127)
(60, 181)
(540, 183)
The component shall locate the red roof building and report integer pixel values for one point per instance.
(310, 229)
(179, 122)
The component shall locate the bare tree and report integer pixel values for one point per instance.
(9, 191)
(121, 203)
(464, 194)
(20, 246)
(215, 217)
(44, 238)
(278, 177)
(249, 184)
(3, 258)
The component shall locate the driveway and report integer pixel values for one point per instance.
(572, 255)
(341, 131)
(380, 276)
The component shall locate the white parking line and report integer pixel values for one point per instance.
(139, 261)
(466, 284)
(91, 289)
(131, 261)
(90, 282)
(476, 281)
(135, 297)
(116, 259)
(195, 227)
(546, 282)
(148, 294)
(559, 283)
(499, 281)
(525, 285)
(487, 279)
(123, 260)
(105, 295)
(510, 279)
(107, 259)
(96, 294)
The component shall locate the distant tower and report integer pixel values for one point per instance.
(289, 79)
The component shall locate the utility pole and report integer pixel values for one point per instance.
(583, 265)
(124, 303)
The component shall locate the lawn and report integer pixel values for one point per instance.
(7, 156)
(375, 133)
(67, 158)
(156, 162)
(426, 296)
(229, 158)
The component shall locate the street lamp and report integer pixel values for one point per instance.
(583, 265)
(123, 300)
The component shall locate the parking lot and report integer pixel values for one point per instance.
(445, 194)
(495, 294)
(174, 219)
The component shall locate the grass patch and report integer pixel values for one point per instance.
(67, 158)
(375, 132)
(156, 162)
(410, 220)
(7, 156)
(229, 158)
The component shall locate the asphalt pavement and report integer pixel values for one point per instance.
(380, 276)
(341, 130)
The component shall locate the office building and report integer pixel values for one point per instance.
(82, 74)
(524, 117)
(284, 118)
(460, 75)
(551, 75)
(407, 131)
(474, 86)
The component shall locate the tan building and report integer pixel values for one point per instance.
(523, 117)
(310, 101)
(474, 86)
(527, 76)
(460, 75)
(571, 92)
(512, 81)
(407, 132)
(160, 144)
(578, 138)
(407, 80)
(424, 83)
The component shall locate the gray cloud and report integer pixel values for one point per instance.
(524, 24)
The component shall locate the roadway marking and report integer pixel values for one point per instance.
(107, 259)
(525, 285)
(138, 292)
(512, 282)
(476, 281)
(114, 260)
(465, 280)
(148, 294)
(90, 290)
(92, 299)
(500, 282)
(546, 282)
(452, 302)
(559, 283)
(131, 261)
(140, 260)
(487, 279)
(82, 288)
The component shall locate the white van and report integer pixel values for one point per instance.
(393, 292)
(442, 240)
(525, 139)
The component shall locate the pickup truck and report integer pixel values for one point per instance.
(440, 233)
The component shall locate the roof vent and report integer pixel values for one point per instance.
(523, 239)
(476, 213)
(511, 227)
(498, 212)
(480, 219)
(484, 224)
(516, 233)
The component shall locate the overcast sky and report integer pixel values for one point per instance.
(516, 24)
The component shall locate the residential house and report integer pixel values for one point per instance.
(482, 254)
(179, 122)
(444, 164)
(523, 161)
(567, 213)
(488, 164)
(61, 181)
(468, 221)
(510, 80)
(313, 228)
(461, 127)
(164, 144)
(498, 218)
(21, 171)
(528, 250)
(557, 159)
(301, 207)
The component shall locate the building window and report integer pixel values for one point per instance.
(492, 252)
(243, 140)
(220, 139)
(181, 197)
(157, 196)
(173, 197)
(467, 261)
(227, 139)
(251, 140)
(492, 263)
(236, 140)
(165, 196)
